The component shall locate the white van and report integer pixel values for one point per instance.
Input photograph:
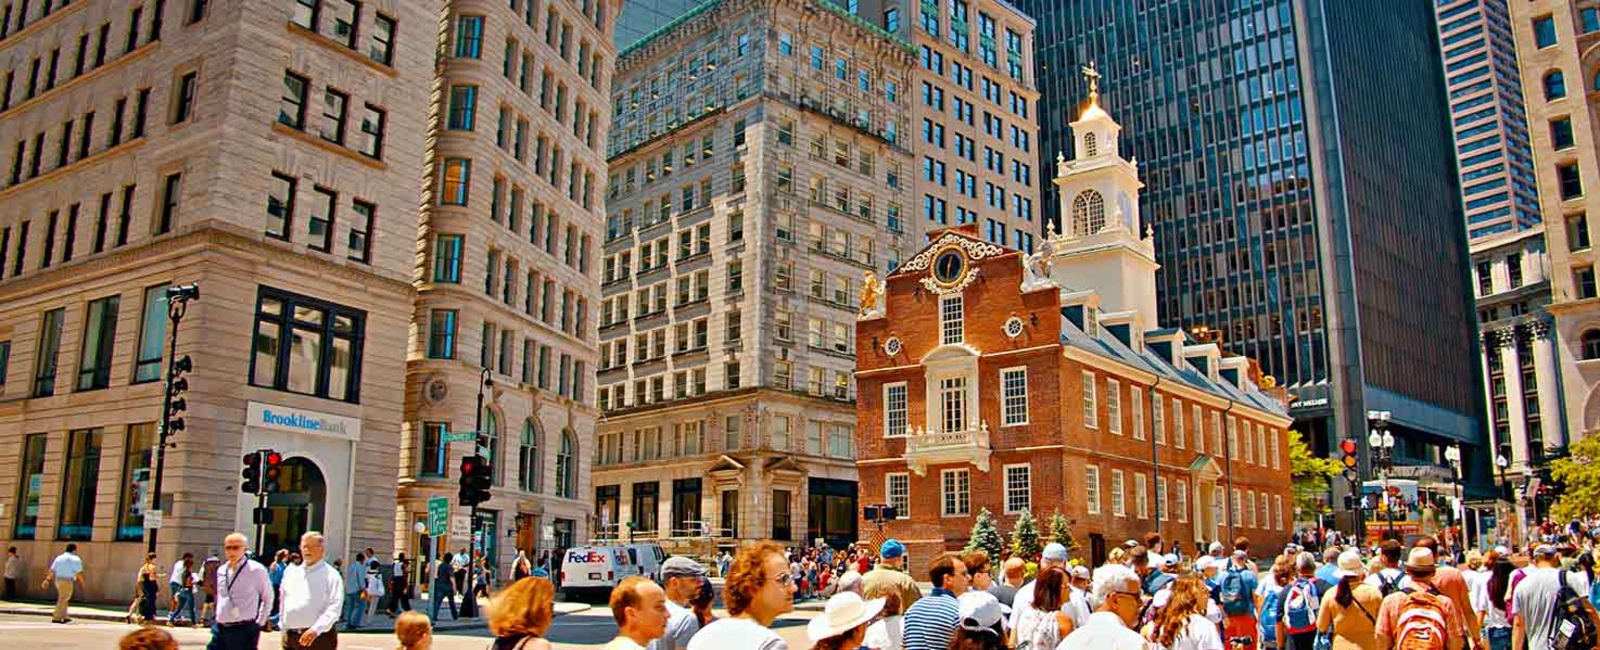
(596, 569)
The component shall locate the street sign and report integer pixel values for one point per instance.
(549, 532)
(460, 527)
(461, 436)
(152, 519)
(438, 516)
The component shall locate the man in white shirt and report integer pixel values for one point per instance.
(1055, 555)
(1110, 627)
(312, 595)
(175, 580)
(681, 577)
(67, 572)
(1077, 606)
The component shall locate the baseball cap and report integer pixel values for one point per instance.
(1545, 550)
(891, 549)
(1215, 546)
(1130, 543)
(1080, 572)
(1055, 552)
(1350, 564)
(1170, 561)
(1203, 563)
(978, 611)
(680, 566)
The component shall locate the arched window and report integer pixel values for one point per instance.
(566, 471)
(528, 458)
(1555, 85)
(1088, 213)
(1090, 145)
(491, 441)
(1591, 344)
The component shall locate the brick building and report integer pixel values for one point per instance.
(988, 378)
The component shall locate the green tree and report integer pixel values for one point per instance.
(1579, 473)
(1309, 473)
(1025, 540)
(986, 536)
(1061, 532)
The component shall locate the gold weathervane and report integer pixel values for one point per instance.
(1092, 76)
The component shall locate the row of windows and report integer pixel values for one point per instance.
(28, 156)
(547, 231)
(455, 178)
(694, 437)
(334, 108)
(109, 229)
(96, 345)
(1261, 444)
(434, 462)
(340, 21)
(468, 44)
(78, 468)
(322, 218)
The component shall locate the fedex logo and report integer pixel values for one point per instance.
(585, 557)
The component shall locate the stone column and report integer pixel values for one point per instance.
(1514, 412)
(1552, 418)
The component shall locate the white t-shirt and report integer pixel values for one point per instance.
(1020, 603)
(1535, 601)
(1198, 634)
(177, 573)
(1493, 616)
(737, 634)
(886, 634)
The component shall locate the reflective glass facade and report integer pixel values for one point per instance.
(1301, 184)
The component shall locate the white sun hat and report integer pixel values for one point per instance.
(844, 612)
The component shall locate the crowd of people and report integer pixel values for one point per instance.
(1145, 596)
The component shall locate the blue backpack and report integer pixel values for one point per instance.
(1236, 598)
(1271, 606)
(1300, 607)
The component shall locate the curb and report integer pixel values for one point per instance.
(112, 617)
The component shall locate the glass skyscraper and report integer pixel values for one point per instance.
(1301, 181)
(641, 17)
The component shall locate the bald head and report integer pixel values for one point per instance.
(234, 546)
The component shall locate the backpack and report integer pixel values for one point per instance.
(1573, 629)
(1387, 586)
(1300, 607)
(1234, 596)
(1271, 607)
(1421, 624)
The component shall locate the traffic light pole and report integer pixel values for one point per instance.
(469, 604)
(175, 312)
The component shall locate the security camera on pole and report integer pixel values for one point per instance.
(172, 402)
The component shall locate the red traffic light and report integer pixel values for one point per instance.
(252, 459)
(274, 459)
(1347, 446)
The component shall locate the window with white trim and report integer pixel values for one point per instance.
(1118, 505)
(1019, 488)
(1250, 508)
(1272, 446)
(1199, 429)
(1261, 444)
(1216, 505)
(953, 403)
(1161, 498)
(1141, 495)
(1266, 519)
(1158, 417)
(1233, 438)
(1249, 441)
(1277, 503)
(1014, 396)
(1090, 415)
(1216, 432)
(895, 422)
(1177, 424)
(897, 487)
(950, 319)
(1091, 484)
(1180, 501)
(1136, 401)
(956, 486)
(1114, 406)
(1233, 507)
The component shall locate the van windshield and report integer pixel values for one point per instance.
(633, 556)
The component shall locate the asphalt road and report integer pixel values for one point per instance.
(581, 631)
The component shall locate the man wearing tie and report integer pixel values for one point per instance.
(244, 598)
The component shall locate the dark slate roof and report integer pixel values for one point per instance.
(1108, 346)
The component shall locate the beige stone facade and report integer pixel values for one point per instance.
(270, 154)
(760, 166)
(1565, 134)
(508, 279)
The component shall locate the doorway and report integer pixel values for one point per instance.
(297, 507)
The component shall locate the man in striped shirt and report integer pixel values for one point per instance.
(931, 622)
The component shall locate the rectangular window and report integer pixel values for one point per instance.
(79, 484)
(1544, 31)
(950, 319)
(1136, 405)
(1091, 484)
(292, 104)
(1014, 396)
(1118, 505)
(137, 451)
(358, 246)
(1090, 414)
(1571, 183)
(442, 334)
(897, 487)
(187, 88)
(469, 37)
(333, 115)
(953, 404)
(1019, 488)
(346, 13)
(1561, 133)
(463, 107)
(171, 191)
(1141, 495)
(1113, 405)
(782, 518)
(371, 140)
(447, 251)
(152, 335)
(48, 348)
(895, 422)
(280, 206)
(1180, 500)
(455, 181)
(380, 44)
(99, 338)
(433, 457)
(30, 488)
(956, 487)
(307, 346)
(1583, 281)
(320, 226)
(1158, 420)
(306, 13)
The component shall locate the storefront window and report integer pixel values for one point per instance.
(32, 485)
(79, 485)
(136, 462)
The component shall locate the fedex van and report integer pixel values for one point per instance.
(589, 570)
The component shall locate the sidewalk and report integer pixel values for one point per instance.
(374, 622)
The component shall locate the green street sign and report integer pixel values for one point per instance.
(438, 516)
(461, 436)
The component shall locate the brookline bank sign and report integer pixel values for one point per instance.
(284, 418)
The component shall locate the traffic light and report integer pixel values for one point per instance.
(179, 385)
(476, 478)
(271, 462)
(251, 473)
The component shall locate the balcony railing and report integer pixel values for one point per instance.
(969, 445)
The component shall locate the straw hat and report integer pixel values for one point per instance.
(844, 612)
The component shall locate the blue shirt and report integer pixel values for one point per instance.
(931, 622)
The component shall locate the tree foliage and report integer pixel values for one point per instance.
(986, 536)
(1061, 532)
(1025, 540)
(1579, 473)
(1309, 473)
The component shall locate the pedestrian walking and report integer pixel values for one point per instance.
(1419, 617)
(66, 571)
(399, 586)
(244, 598)
(355, 591)
(413, 631)
(280, 564)
(175, 584)
(759, 588)
(185, 594)
(1116, 598)
(520, 614)
(444, 586)
(843, 623)
(1350, 616)
(681, 579)
(208, 585)
(13, 572)
(932, 621)
(375, 590)
(640, 609)
(1055, 555)
(1492, 601)
(1298, 606)
(148, 584)
(1541, 604)
(312, 594)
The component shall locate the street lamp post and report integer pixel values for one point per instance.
(1382, 443)
(1501, 462)
(178, 298)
